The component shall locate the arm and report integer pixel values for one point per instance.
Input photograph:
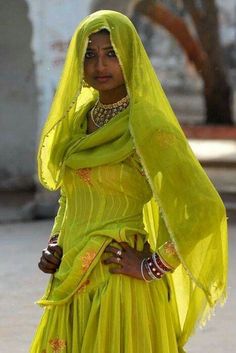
(59, 217)
(166, 249)
(133, 263)
(51, 256)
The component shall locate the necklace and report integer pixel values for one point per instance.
(102, 113)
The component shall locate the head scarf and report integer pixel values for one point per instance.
(191, 210)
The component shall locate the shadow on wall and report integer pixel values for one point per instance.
(18, 101)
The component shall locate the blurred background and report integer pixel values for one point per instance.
(192, 46)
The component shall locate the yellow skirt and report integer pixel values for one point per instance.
(109, 313)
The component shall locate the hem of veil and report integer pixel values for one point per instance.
(45, 302)
(163, 215)
(44, 134)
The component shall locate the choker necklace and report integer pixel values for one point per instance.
(102, 113)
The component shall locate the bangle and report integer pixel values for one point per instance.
(160, 263)
(53, 239)
(154, 266)
(148, 268)
(142, 272)
(153, 270)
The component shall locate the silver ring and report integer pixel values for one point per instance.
(119, 253)
(118, 259)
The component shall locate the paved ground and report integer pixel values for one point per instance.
(21, 283)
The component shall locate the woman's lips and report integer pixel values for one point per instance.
(102, 79)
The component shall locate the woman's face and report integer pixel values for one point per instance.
(102, 70)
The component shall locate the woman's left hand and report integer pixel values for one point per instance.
(128, 259)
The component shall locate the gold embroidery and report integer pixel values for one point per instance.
(83, 286)
(57, 344)
(84, 174)
(170, 248)
(87, 259)
(165, 139)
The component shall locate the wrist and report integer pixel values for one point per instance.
(53, 239)
(153, 268)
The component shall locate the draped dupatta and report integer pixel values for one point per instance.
(190, 209)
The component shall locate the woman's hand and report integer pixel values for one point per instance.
(128, 259)
(51, 258)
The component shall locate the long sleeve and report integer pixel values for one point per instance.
(60, 214)
(166, 249)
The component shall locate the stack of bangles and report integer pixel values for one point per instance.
(155, 267)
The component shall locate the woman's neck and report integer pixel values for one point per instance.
(112, 96)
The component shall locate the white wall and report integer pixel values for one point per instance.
(53, 22)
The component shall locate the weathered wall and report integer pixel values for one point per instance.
(34, 39)
(18, 106)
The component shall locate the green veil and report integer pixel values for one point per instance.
(190, 209)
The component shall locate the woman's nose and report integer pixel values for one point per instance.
(100, 63)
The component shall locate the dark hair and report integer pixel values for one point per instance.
(104, 31)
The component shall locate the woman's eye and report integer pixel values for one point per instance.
(89, 54)
(111, 53)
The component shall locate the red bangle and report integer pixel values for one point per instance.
(161, 264)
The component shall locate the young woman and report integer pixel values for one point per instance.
(138, 250)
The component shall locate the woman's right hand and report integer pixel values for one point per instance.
(51, 258)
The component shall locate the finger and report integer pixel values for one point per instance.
(112, 260)
(146, 246)
(44, 269)
(48, 264)
(58, 251)
(53, 248)
(51, 258)
(111, 249)
(124, 245)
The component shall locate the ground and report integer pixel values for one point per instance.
(22, 283)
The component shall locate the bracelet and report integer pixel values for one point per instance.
(157, 264)
(148, 268)
(154, 266)
(156, 273)
(160, 263)
(53, 239)
(142, 272)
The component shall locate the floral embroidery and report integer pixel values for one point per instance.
(57, 344)
(165, 139)
(169, 248)
(84, 174)
(87, 259)
(83, 286)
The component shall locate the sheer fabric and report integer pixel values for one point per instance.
(192, 213)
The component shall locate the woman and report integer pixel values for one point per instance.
(141, 228)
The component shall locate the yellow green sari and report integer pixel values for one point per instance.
(133, 180)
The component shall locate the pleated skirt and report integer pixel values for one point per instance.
(109, 313)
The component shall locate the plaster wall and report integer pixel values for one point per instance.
(18, 102)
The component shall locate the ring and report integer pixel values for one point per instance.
(118, 259)
(119, 253)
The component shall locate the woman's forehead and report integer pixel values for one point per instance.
(100, 39)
